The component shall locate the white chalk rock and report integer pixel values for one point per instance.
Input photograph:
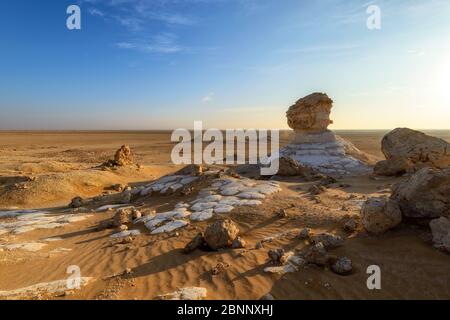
(202, 215)
(170, 226)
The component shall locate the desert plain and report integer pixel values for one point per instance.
(44, 171)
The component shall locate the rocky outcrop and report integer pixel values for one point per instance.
(421, 149)
(379, 214)
(221, 234)
(440, 228)
(123, 156)
(425, 195)
(315, 146)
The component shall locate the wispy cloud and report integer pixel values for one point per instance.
(208, 98)
(160, 43)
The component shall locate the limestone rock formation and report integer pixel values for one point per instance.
(221, 234)
(379, 214)
(315, 146)
(123, 156)
(440, 228)
(425, 195)
(419, 148)
(311, 113)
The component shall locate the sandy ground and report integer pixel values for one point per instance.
(34, 165)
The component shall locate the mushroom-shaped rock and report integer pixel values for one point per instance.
(311, 113)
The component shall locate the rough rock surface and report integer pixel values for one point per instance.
(396, 166)
(123, 156)
(311, 113)
(329, 240)
(221, 234)
(314, 145)
(197, 242)
(342, 266)
(317, 254)
(440, 228)
(189, 293)
(425, 195)
(380, 214)
(289, 167)
(419, 148)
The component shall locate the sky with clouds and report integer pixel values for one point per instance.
(161, 64)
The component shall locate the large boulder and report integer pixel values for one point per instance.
(311, 113)
(419, 148)
(396, 166)
(425, 195)
(221, 234)
(379, 214)
(440, 228)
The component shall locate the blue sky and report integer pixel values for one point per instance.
(161, 64)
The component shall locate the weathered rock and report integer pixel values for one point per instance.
(380, 214)
(123, 216)
(350, 225)
(396, 166)
(106, 224)
(329, 240)
(289, 167)
(440, 229)
(239, 243)
(416, 146)
(122, 228)
(136, 214)
(314, 146)
(277, 257)
(190, 293)
(123, 156)
(304, 233)
(221, 234)
(317, 254)
(342, 266)
(425, 195)
(311, 113)
(197, 242)
(316, 190)
(78, 202)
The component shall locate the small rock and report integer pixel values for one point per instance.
(219, 268)
(342, 266)
(316, 189)
(351, 225)
(304, 234)
(282, 213)
(267, 296)
(221, 234)
(122, 228)
(238, 243)
(329, 240)
(197, 242)
(317, 254)
(277, 257)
